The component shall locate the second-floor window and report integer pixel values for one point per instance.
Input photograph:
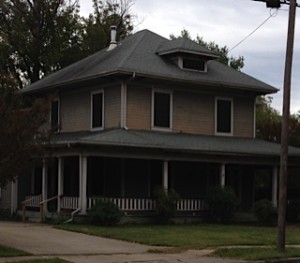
(161, 109)
(97, 111)
(224, 116)
(54, 118)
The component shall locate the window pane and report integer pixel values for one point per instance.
(97, 110)
(54, 115)
(224, 116)
(162, 110)
(194, 64)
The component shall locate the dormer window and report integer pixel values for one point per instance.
(192, 64)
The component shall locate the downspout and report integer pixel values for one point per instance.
(124, 102)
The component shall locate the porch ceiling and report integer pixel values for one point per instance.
(174, 142)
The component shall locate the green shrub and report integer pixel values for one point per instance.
(165, 204)
(293, 210)
(265, 212)
(222, 204)
(105, 213)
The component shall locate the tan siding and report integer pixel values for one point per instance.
(139, 108)
(112, 104)
(243, 117)
(193, 113)
(5, 197)
(75, 111)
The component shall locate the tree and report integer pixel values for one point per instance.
(106, 14)
(236, 63)
(37, 37)
(21, 136)
(268, 121)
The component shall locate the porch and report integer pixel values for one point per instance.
(74, 183)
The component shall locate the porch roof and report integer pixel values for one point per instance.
(174, 142)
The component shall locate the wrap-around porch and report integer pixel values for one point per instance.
(74, 183)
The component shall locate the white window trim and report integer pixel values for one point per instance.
(58, 113)
(103, 107)
(216, 117)
(152, 110)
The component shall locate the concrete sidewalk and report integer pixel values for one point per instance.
(45, 241)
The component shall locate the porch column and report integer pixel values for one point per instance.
(44, 184)
(14, 196)
(222, 175)
(165, 175)
(82, 184)
(60, 182)
(274, 185)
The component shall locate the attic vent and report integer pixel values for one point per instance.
(194, 64)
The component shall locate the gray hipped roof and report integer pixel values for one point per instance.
(140, 54)
(175, 142)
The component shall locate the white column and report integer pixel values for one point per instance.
(82, 184)
(222, 175)
(14, 196)
(45, 184)
(274, 185)
(165, 175)
(60, 181)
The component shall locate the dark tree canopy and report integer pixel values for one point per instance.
(35, 37)
(236, 63)
(21, 136)
(40, 37)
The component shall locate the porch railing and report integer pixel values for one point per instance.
(69, 202)
(128, 204)
(190, 205)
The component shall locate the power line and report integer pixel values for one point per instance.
(249, 35)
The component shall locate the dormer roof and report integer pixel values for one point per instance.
(185, 46)
(138, 55)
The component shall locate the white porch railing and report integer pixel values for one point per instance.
(32, 200)
(125, 204)
(69, 202)
(190, 205)
(128, 204)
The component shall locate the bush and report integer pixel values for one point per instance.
(105, 213)
(265, 212)
(165, 204)
(222, 204)
(293, 210)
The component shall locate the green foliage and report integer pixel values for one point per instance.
(165, 204)
(41, 37)
(293, 210)
(104, 212)
(236, 63)
(265, 212)
(222, 204)
(21, 135)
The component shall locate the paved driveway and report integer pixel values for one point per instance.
(45, 241)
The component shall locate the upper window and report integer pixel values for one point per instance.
(54, 118)
(97, 111)
(224, 116)
(161, 109)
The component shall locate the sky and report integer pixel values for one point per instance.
(227, 22)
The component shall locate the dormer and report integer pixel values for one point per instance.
(187, 54)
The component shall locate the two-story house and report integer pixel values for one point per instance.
(151, 111)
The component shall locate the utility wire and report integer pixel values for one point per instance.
(249, 35)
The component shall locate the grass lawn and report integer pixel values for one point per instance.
(191, 236)
(200, 236)
(11, 252)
